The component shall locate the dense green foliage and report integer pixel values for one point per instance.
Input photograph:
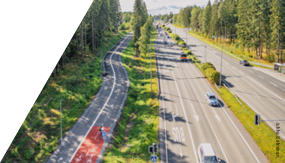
(76, 83)
(256, 25)
(140, 111)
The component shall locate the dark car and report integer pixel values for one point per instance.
(165, 42)
(168, 36)
(183, 57)
(244, 62)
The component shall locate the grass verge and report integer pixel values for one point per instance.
(268, 141)
(140, 110)
(39, 135)
(233, 51)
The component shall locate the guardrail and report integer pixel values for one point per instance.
(226, 86)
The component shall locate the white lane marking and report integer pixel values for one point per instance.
(233, 67)
(266, 89)
(78, 159)
(206, 114)
(176, 110)
(116, 97)
(240, 134)
(241, 72)
(196, 116)
(216, 114)
(251, 71)
(87, 152)
(186, 65)
(165, 141)
(234, 124)
(90, 160)
(236, 79)
(261, 77)
(96, 135)
(256, 95)
(181, 154)
(103, 105)
(62, 159)
(273, 84)
(226, 62)
(173, 116)
(185, 117)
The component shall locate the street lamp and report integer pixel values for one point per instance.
(61, 119)
(222, 58)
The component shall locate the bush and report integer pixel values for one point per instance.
(167, 28)
(270, 58)
(207, 65)
(212, 75)
(175, 37)
(163, 25)
(181, 42)
(28, 153)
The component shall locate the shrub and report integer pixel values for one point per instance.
(28, 153)
(163, 25)
(207, 65)
(212, 75)
(181, 42)
(270, 58)
(175, 37)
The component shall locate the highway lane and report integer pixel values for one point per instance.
(186, 120)
(262, 92)
(83, 143)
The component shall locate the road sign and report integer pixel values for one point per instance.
(155, 148)
(257, 119)
(104, 134)
(153, 158)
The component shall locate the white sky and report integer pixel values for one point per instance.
(155, 7)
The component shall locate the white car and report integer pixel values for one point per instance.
(206, 154)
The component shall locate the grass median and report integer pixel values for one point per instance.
(138, 125)
(77, 85)
(269, 142)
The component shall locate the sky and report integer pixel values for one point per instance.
(156, 7)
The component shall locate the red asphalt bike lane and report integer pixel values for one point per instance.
(91, 147)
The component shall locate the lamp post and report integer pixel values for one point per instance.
(150, 64)
(61, 119)
(222, 58)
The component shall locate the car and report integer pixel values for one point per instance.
(206, 154)
(183, 57)
(168, 36)
(165, 42)
(210, 97)
(160, 34)
(244, 62)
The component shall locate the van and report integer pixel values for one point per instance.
(206, 154)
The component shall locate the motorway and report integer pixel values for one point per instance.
(83, 143)
(186, 120)
(262, 92)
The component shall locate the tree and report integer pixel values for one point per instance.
(243, 22)
(277, 25)
(214, 25)
(207, 17)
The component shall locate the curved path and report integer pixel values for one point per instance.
(83, 142)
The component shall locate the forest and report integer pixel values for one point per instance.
(258, 26)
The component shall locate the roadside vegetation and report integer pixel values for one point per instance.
(75, 79)
(254, 29)
(263, 135)
(139, 124)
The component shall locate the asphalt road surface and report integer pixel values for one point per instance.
(186, 120)
(262, 92)
(83, 142)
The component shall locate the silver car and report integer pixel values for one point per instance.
(210, 97)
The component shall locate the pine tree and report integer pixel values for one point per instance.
(243, 22)
(207, 18)
(214, 25)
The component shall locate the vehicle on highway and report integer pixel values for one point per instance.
(160, 34)
(206, 154)
(168, 36)
(244, 62)
(165, 42)
(210, 97)
(183, 57)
